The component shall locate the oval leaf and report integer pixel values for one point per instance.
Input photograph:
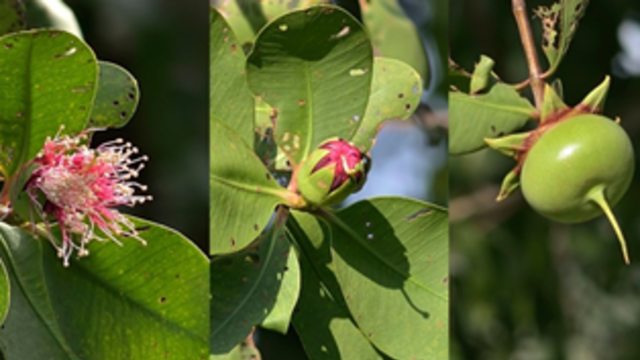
(243, 192)
(47, 79)
(395, 94)
(314, 67)
(117, 97)
(391, 262)
(129, 302)
(472, 118)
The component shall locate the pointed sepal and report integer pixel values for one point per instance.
(553, 105)
(509, 184)
(510, 145)
(594, 101)
(481, 77)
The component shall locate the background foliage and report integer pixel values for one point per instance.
(522, 286)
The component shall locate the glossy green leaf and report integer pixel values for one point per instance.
(245, 287)
(395, 94)
(472, 118)
(231, 102)
(392, 262)
(243, 192)
(117, 97)
(394, 35)
(5, 292)
(315, 68)
(322, 320)
(11, 16)
(52, 14)
(120, 302)
(559, 24)
(47, 79)
(279, 317)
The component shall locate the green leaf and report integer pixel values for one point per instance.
(472, 118)
(247, 17)
(231, 101)
(52, 14)
(129, 302)
(394, 35)
(11, 16)
(315, 68)
(391, 262)
(559, 24)
(243, 192)
(322, 320)
(47, 79)
(481, 78)
(117, 97)
(5, 292)
(245, 287)
(279, 317)
(395, 94)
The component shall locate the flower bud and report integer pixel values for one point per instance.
(331, 172)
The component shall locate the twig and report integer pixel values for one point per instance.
(526, 36)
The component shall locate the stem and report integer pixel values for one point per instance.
(526, 36)
(597, 196)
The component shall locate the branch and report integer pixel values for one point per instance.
(526, 36)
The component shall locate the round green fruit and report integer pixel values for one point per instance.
(578, 169)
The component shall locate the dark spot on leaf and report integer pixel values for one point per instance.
(407, 106)
(286, 268)
(234, 47)
(123, 114)
(8, 45)
(493, 129)
(256, 227)
(233, 242)
(116, 102)
(400, 96)
(132, 96)
(177, 276)
(163, 300)
(301, 102)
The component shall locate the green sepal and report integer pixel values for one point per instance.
(509, 184)
(509, 145)
(552, 104)
(594, 101)
(481, 77)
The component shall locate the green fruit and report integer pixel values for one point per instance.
(578, 169)
(331, 172)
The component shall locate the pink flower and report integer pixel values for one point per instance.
(346, 157)
(80, 188)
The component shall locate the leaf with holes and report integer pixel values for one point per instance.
(11, 16)
(245, 286)
(117, 97)
(5, 292)
(47, 79)
(243, 192)
(231, 102)
(394, 35)
(322, 320)
(314, 67)
(559, 25)
(391, 262)
(129, 302)
(395, 94)
(473, 118)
